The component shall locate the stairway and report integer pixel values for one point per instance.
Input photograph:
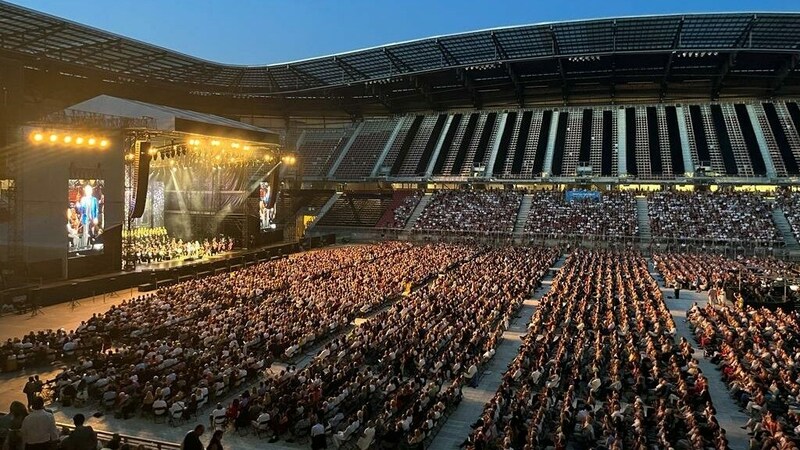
(423, 202)
(327, 206)
(522, 215)
(644, 221)
(785, 229)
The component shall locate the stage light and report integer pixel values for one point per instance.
(103, 143)
(152, 151)
(130, 157)
(215, 143)
(92, 141)
(38, 137)
(247, 147)
(53, 137)
(234, 145)
(79, 141)
(67, 139)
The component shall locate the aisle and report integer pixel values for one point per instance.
(729, 415)
(457, 428)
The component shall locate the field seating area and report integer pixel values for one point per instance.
(755, 350)
(703, 271)
(399, 374)
(713, 216)
(194, 341)
(600, 368)
(613, 215)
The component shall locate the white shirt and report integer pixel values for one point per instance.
(39, 427)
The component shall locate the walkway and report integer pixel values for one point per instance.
(457, 427)
(730, 416)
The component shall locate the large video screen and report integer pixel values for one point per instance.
(266, 205)
(85, 216)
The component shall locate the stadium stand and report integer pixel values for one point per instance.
(360, 159)
(551, 214)
(713, 216)
(357, 209)
(319, 149)
(399, 211)
(471, 211)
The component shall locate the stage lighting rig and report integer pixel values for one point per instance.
(68, 139)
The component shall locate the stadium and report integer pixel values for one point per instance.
(566, 235)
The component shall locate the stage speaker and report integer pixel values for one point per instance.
(141, 180)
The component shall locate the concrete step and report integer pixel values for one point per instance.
(423, 202)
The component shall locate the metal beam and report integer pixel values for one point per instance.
(498, 48)
(396, 62)
(38, 35)
(738, 44)
(424, 90)
(354, 73)
(449, 59)
(305, 75)
(562, 72)
(469, 86)
(676, 40)
(783, 72)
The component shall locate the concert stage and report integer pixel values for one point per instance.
(150, 277)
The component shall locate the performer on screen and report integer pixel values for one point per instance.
(267, 213)
(88, 206)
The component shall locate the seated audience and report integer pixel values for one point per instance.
(471, 211)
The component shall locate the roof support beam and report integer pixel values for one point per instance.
(399, 65)
(383, 99)
(500, 52)
(449, 59)
(424, 90)
(307, 77)
(783, 72)
(37, 35)
(744, 38)
(469, 86)
(676, 41)
(562, 72)
(351, 71)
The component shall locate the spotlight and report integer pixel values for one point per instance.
(215, 143)
(53, 137)
(67, 139)
(247, 147)
(79, 141)
(92, 141)
(103, 143)
(129, 157)
(234, 145)
(38, 137)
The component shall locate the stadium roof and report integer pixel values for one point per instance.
(672, 57)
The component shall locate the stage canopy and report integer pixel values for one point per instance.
(178, 120)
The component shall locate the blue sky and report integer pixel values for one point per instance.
(272, 31)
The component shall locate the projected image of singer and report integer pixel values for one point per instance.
(86, 205)
(267, 214)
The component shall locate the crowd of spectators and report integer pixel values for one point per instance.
(750, 277)
(756, 351)
(600, 368)
(186, 300)
(717, 216)
(192, 343)
(403, 212)
(613, 215)
(789, 201)
(151, 245)
(471, 211)
(392, 380)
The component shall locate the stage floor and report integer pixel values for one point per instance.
(182, 262)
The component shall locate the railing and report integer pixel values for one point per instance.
(133, 441)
